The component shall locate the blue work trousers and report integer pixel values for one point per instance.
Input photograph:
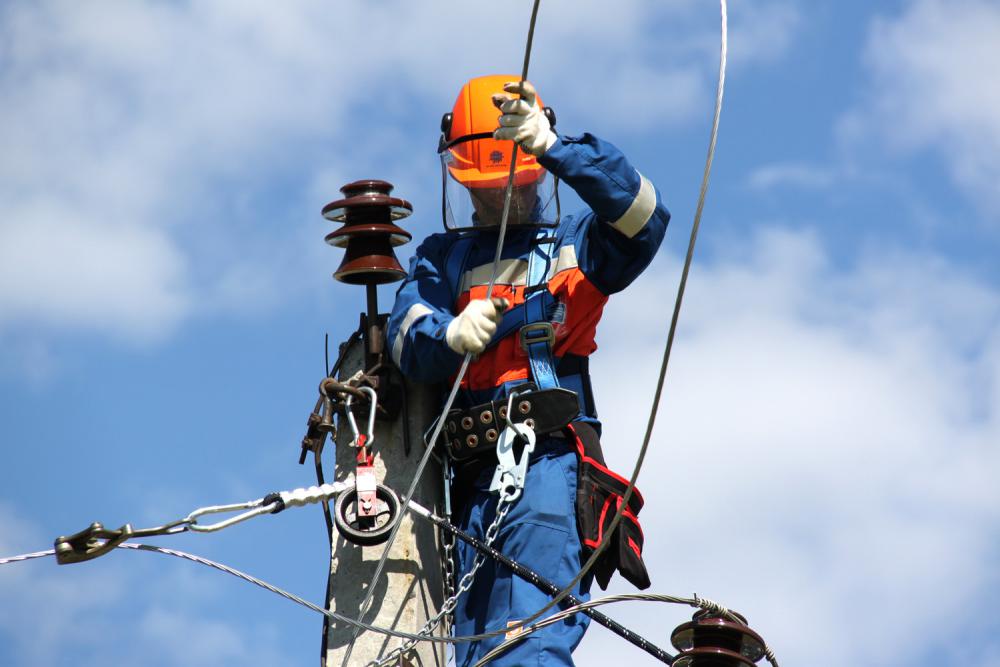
(540, 532)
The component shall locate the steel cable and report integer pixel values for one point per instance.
(358, 624)
(609, 532)
(703, 190)
(696, 601)
(501, 235)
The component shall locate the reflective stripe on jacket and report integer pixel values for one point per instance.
(597, 253)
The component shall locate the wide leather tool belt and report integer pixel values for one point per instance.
(472, 432)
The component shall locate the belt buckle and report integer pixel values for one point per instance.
(546, 334)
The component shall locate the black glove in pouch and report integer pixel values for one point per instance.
(599, 494)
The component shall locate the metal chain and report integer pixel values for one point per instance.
(448, 565)
(448, 606)
(447, 538)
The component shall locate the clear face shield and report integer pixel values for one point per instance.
(474, 174)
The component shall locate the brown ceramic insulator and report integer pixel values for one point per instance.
(365, 194)
(369, 234)
(710, 640)
(369, 262)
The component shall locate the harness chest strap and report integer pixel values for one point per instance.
(529, 319)
(536, 337)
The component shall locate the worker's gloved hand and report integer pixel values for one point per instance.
(523, 120)
(472, 330)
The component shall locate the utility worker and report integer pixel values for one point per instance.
(555, 275)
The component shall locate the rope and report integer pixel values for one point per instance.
(501, 235)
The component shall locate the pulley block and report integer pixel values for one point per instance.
(366, 523)
(712, 640)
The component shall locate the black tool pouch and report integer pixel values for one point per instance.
(599, 494)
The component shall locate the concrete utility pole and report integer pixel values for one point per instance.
(410, 590)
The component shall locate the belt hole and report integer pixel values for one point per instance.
(524, 407)
(467, 423)
(472, 440)
(491, 435)
(529, 422)
(486, 417)
(502, 412)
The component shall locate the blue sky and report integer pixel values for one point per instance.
(827, 448)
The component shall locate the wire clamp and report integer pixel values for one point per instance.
(94, 541)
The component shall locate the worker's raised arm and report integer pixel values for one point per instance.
(619, 238)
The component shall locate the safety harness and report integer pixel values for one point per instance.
(472, 434)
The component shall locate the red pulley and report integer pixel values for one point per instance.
(710, 640)
(369, 233)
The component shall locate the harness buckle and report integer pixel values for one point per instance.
(536, 332)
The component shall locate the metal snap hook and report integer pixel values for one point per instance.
(373, 403)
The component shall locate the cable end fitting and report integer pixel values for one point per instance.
(274, 499)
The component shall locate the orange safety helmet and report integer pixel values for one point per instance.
(474, 158)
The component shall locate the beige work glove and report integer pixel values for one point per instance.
(473, 328)
(523, 120)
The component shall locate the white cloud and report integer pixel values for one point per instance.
(825, 456)
(932, 71)
(60, 269)
(135, 135)
(824, 462)
(763, 34)
(791, 174)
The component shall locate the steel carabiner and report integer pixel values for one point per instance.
(359, 439)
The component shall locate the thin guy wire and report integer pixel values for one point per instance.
(643, 450)
(448, 606)
(24, 557)
(670, 336)
(291, 596)
(696, 601)
(465, 361)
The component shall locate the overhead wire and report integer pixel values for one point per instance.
(463, 369)
(696, 601)
(360, 625)
(713, 136)
(675, 316)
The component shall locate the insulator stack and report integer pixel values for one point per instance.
(369, 233)
(711, 640)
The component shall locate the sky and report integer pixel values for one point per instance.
(825, 455)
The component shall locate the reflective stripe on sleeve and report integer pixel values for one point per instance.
(639, 213)
(415, 312)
